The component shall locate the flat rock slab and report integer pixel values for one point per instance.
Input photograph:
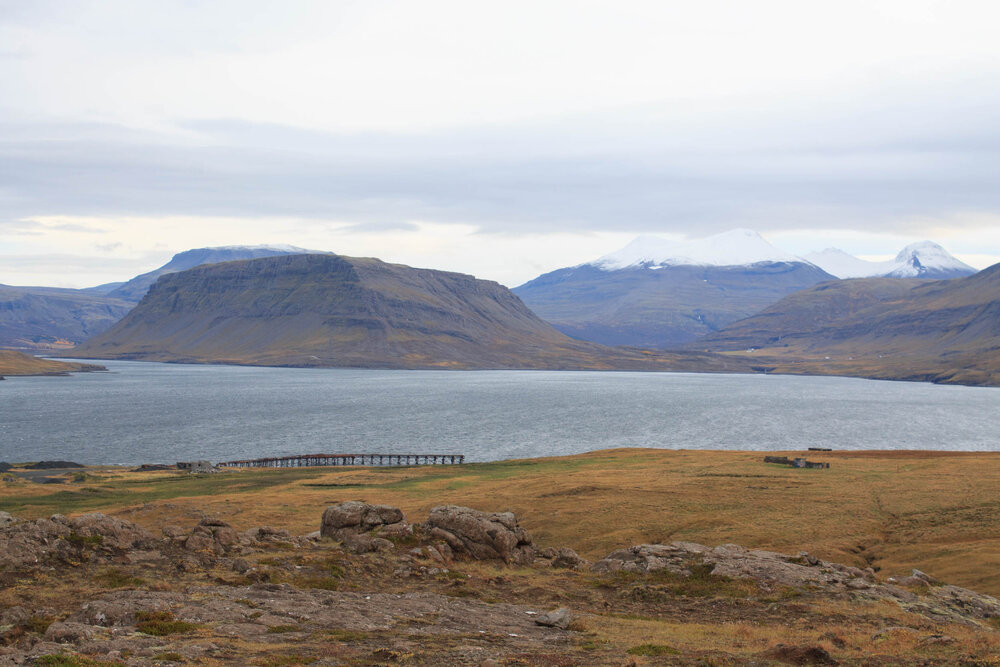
(250, 612)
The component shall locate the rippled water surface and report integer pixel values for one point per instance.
(149, 412)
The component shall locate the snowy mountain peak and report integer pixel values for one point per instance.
(924, 259)
(737, 247)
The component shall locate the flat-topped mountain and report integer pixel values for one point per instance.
(660, 293)
(136, 288)
(47, 319)
(329, 310)
(941, 330)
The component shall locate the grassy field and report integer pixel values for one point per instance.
(936, 511)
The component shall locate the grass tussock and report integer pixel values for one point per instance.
(115, 578)
(161, 624)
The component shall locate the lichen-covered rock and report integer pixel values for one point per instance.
(357, 517)
(351, 522)
(28, 543)
(769, 569)
(69, 632)
(481, 535)
(113, 532)
(559, 618)
(213, 535)
(648, 558)
(567, 558)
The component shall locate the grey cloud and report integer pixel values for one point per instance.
(839, 168)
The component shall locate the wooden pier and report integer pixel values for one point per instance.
(305, 460)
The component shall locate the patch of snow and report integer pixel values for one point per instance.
(738, 247)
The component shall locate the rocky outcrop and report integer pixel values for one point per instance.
(363, 527)
(481, 535)
(564, 557)
(32, 542)
(771, 570)
(357, 517)
(213, 535)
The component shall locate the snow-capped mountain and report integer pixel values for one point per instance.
(927, 259)
(660, 293)
(924, 259)
(737, 247)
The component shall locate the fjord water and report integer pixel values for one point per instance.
(151, 412)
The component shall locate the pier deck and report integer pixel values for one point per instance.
(305, 460)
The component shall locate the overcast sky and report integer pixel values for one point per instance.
(503, 139)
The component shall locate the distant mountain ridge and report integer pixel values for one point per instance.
(662, 294)
(737, 247)
(45, 319)
(890, 328)
(330, 310)
(924, 259)
(136, 288)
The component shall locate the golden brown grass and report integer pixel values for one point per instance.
(18, 363)
(939, 512)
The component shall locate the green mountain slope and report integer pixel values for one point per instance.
(328, 310)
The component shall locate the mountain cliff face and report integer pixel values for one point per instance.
(45, 319)
(661, 294)
(328, 310)
(136, 288)
(941, 330)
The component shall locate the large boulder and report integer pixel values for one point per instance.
(354, 517)
(113, 532)
(481, 535)
(213, 535)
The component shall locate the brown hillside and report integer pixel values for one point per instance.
(942, 331)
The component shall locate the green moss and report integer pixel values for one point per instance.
(280, 629)
(38, 624)
(161, 624)
(81, 541)
(115, 578)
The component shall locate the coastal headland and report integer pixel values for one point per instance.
(18, 363)
(839, 586)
